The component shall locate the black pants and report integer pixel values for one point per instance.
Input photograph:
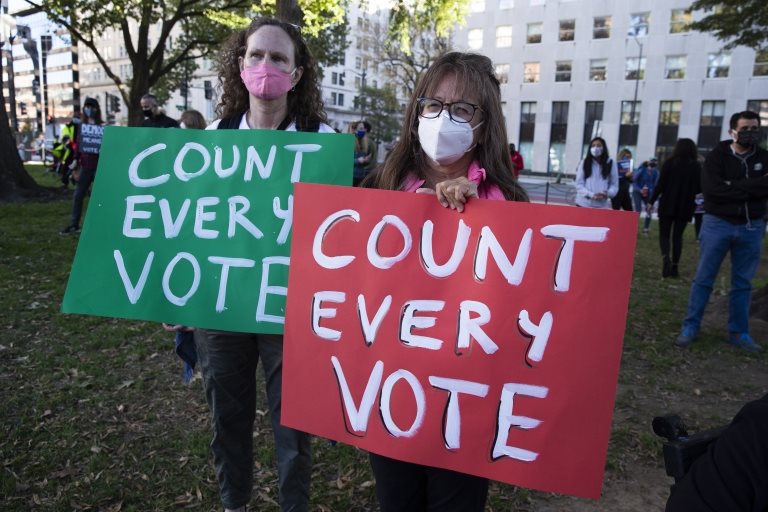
(622, 200)
(83, 184)
(676, 227)
(406, 487)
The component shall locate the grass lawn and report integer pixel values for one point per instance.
(94, 414)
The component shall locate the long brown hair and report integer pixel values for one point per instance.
(305, 102)
(473, 73)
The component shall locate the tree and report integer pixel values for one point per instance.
(740, 22)
(387, 117)
(15, 182)
(189, 30)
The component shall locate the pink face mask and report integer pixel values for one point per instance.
(266, 81)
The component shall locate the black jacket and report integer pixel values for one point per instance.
(733, 475)
(160, 121)
(679, 182)
(735, 188)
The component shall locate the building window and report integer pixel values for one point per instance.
(477, 6)
(669, 123)
(504, 36)
(527, 128)
(761, 64)
(760, 107)
(718, 65)
(531, 72)
(567, 30)
(710, 125)
(639, 23)
(601, 27)
(475, 39)
(563, 71)
(533, 35)
(502, 73)
(635, 69)
(506, 4)
(340, 99)
(675, 67)
(358, 62)
(679, 21)
(598, 69)
(593, 118)
(629, 124)
(558, 133)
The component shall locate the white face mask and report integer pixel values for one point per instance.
(596, 151)
(444, 140)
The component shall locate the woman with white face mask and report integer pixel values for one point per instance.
(453, 144)
(597, 178)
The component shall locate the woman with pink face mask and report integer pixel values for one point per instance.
(268, 81)
(453, 144)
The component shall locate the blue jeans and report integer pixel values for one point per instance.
(228, 362)
(718, 237)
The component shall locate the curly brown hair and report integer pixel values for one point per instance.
(305, 102)
(474, 73)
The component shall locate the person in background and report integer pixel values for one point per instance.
(644, 182)
(192, 119)
(597, 178)
(68, 146)
(154, 115)
(365, 151)
(87, 158)
(623, 198)
(452, 145)
(679, 182)
(735, 186)
(269, 81)
(517, 160)
(698, 214)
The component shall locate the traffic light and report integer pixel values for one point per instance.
(23, 107)
(114, 103)
(183, 89)
(208, 89)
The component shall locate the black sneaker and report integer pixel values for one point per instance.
(69, 229)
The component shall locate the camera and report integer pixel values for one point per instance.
(681, 449)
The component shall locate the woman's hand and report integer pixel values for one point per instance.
(174, 328)
(453, 193)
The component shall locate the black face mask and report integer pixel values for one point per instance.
(748, 138)
(147, 112)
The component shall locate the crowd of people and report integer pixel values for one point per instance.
(453, 144)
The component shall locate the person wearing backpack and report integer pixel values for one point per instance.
(597, 178)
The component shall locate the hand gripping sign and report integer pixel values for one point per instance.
(192, 227)
(486, 342)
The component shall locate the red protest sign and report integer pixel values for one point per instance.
(486, 342)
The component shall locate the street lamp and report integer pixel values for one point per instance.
(362, 74)
(634, 34)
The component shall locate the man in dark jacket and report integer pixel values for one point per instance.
(735, 190)
(155, 118)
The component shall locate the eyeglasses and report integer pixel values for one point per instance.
(459, 111)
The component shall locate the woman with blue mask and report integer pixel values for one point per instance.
(365, 151)
(597, 178)
(453, 144)
(86, 159)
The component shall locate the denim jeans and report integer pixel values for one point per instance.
(744, 242)
(81, 189)
(228, 361)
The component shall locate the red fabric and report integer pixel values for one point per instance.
(517, 163)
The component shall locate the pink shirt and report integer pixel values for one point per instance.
(475, 174)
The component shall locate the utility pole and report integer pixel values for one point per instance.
(637, 83)
(6, 24)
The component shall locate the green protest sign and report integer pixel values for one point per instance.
(193, 227)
